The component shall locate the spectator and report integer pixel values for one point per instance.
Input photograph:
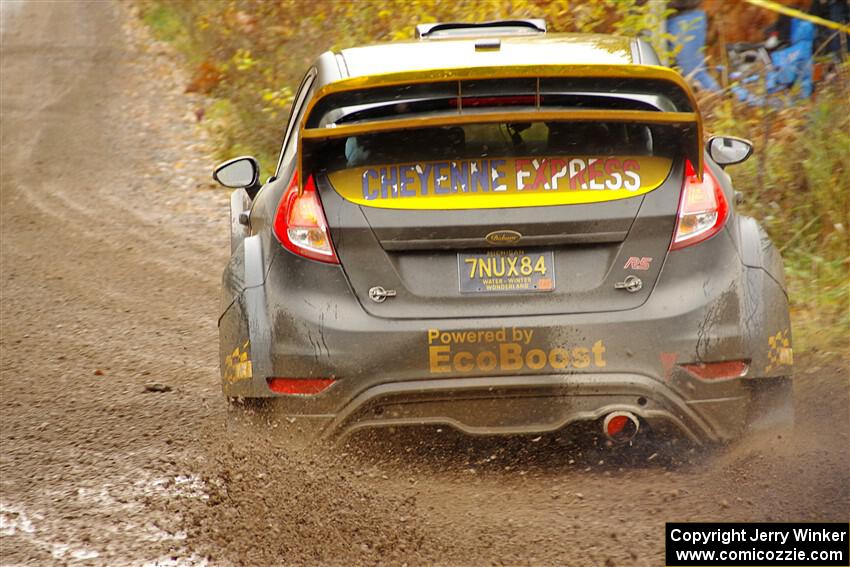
(835, 11)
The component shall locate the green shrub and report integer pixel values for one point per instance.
(164, 21)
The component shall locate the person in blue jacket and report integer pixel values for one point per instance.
(689, 25)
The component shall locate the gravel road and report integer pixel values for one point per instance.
(117, 448)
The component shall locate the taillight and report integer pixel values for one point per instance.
(718, 370)
(299, 386)
(300, 223)
(702, 210)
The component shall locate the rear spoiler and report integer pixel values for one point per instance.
(424, 31)
(648, 78)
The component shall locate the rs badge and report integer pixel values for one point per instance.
(637, 263)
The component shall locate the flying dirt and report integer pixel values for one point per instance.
(118, 448)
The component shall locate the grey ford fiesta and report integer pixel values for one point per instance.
(505, 231)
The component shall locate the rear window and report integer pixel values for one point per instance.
(502, 140)
(547, 155)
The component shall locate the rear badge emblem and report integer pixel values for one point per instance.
(637, 263)
(503, 237)
(379, 294)
(630, 284)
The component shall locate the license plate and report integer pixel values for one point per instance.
(506, 271)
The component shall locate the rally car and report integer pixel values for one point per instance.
(504, 231)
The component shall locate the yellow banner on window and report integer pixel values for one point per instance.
(501, 183)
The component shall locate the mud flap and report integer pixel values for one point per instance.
(771, 405)
(234, 351)
(766, 326)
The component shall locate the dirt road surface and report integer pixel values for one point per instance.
(117, 448)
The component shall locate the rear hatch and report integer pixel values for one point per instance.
(506, 217)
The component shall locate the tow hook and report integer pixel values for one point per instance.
(378, 294)
(630, 284)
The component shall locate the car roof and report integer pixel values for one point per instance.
(445, 53)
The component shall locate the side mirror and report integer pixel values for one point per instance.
(728, 150)
(238, 173)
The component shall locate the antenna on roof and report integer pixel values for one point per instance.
(495, 27)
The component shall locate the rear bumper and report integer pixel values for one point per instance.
(530, 405)
(395, 372)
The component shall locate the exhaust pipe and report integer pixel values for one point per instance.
(620, 426)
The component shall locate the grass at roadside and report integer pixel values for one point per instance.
(164, 22)
(249, 56)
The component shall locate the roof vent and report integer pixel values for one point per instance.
(466, 29)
